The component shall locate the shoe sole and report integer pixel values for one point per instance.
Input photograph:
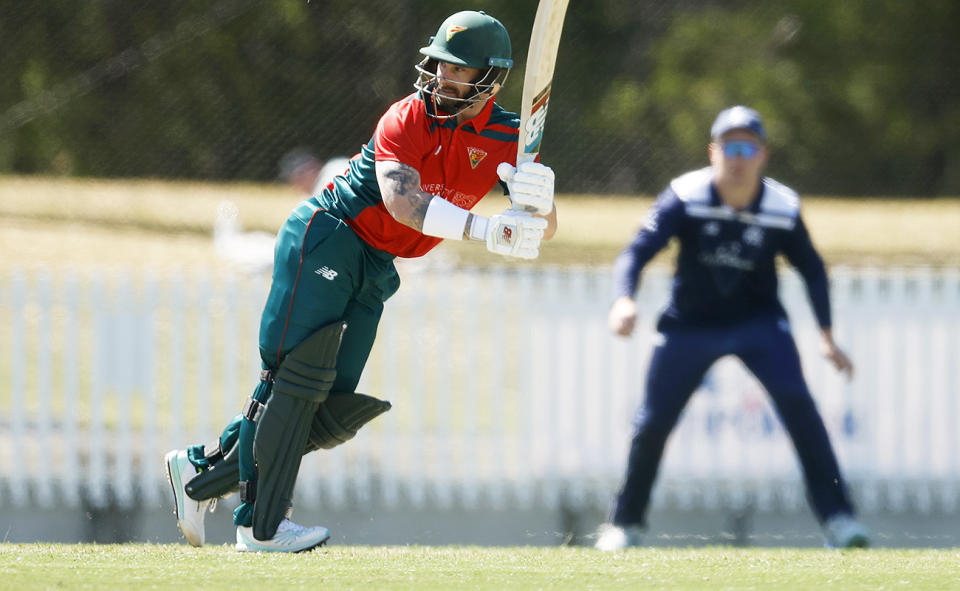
(317, 545)
(173, 477)
(239, 548)
(858, 542)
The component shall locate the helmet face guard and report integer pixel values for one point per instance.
(469, 39)
(445, 107)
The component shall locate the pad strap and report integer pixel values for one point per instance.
(248, 491)
(212, 452)
(252, 409)
(219, 480)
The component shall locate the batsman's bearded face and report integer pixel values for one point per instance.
(454, 83)
(457, 90)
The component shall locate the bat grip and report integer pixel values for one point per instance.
(525, 208)
(521, 158)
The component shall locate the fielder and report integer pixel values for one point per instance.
(731, 223)
(432, 157)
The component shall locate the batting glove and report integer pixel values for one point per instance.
(530, 186)
(512, 233)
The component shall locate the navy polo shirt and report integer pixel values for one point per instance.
(726, 266)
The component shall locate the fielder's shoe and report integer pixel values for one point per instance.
(189, 512)
(614, 537)
(290, 537)
(843, 531)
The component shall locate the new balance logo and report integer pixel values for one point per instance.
(326, 272)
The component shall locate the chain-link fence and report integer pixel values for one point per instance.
(861, 97)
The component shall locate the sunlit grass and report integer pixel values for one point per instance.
(54, 566)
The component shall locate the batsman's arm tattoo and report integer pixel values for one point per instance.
(400, 189)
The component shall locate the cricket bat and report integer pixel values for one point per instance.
(538, 76)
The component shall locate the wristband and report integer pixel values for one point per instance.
(478, 227)
(444, 219)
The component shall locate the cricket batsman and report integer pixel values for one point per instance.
(433, 155)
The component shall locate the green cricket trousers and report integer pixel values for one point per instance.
(323, 273)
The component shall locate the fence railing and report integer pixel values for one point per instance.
(507, 390)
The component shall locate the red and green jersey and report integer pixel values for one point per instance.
(456, 162)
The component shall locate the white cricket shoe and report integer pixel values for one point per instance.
(843, 531)
(290, 537)
(614, 537)
(189, 512)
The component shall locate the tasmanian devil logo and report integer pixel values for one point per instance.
(475, 155)
(454, 30)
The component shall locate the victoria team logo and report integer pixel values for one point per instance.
(475, 155)
(753, 236)
(711, 228)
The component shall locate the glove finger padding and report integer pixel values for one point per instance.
(534, 173)
(530, 186)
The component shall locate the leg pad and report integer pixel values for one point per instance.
(302, 382)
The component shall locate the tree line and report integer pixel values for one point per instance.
(860, 97)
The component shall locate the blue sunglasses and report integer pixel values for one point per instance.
(740, 148)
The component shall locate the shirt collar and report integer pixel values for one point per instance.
(754, 206)
(483, 117)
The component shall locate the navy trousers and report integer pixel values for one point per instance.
(677, 368)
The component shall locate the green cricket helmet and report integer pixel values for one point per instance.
(471, 39)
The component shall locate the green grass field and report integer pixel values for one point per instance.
(155, 226)
(424, 568)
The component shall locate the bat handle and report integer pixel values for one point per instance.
(521, 158)
(526, 157)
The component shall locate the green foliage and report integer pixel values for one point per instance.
(861, 96)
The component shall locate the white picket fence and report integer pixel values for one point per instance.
(507, 390)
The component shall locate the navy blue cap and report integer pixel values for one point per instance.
(738, 117)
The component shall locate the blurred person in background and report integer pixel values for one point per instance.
(252, 251)
(433, 155)
(303, 171)
(731, 222)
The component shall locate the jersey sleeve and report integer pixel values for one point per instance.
(661, 224)
(799, 250)
(401, 136)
